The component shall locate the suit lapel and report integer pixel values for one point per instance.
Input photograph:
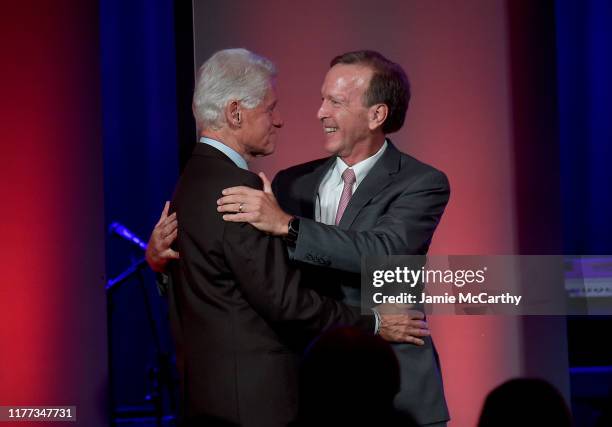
(312, 181)
(377, 179)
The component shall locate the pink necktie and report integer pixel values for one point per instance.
(348, 176)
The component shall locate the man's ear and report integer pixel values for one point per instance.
(377, 114)
(233, 116)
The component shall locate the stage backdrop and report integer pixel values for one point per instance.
(52, 302)
(472, 91)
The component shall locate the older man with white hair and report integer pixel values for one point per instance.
(234, 298)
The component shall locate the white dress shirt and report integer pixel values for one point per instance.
(332, 184)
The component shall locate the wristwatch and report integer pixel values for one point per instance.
(294, 229)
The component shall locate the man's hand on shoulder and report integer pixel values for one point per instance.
(158, 251)
(259, 208)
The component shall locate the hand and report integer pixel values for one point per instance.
(158, 251)
(406, 327)
(259, 208)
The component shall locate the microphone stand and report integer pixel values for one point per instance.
(160, 374)
(127, 274)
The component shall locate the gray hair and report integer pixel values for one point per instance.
(229, 75)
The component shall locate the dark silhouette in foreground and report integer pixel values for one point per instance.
(349, 377)
(525, 402)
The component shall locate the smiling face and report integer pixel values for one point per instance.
(259, 126)
(343, 114)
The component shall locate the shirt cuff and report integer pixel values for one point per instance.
(377, 320)
(163, 281)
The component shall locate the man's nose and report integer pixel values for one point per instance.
(322, 113)
(278, 121)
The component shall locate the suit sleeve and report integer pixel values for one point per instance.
(271, 286)
(405, 228)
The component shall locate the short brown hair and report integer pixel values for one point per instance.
(389, 85)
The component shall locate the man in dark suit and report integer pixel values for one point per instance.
(234, 298)
(395, 203)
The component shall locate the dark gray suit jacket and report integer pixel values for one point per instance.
(394, 211)
(233, 298)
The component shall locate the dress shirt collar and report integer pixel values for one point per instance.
(229, 152)
(361, 169)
